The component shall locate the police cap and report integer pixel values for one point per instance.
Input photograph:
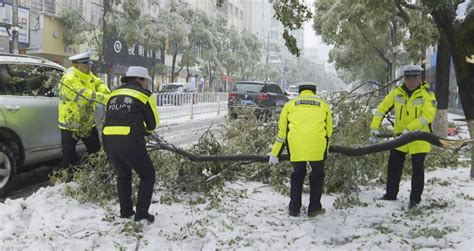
(412, 70)
(83, 58)
(310, 87)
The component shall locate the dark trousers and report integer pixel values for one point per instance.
(395, 167)
(141, 163)
(316, 180)
(69, 142)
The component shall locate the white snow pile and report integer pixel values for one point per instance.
(250, 216)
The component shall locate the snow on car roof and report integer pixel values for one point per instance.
(25, 59)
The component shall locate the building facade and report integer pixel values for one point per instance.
(44, 35)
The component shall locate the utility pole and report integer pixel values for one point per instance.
(268, 56)
(106, 10)
(15, 27)
(107, 6)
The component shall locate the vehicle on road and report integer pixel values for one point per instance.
(292, 91)
(265, 98)
(177, 94)
(29, 132)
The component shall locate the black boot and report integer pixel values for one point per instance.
(150, 218)
(316, 212)
(413, 204)
(127, 215)
(294, 213)
(387, 197)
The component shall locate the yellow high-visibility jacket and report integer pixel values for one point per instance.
(78, 94)
(412, 112)
(305, 125)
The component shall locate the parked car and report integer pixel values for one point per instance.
(29, 132)
(292, 91)
(177, 94)
(265, 97)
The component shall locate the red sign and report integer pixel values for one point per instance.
(227, 79)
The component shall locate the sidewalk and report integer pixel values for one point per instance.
(187, 119)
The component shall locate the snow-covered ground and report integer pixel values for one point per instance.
(251, 216)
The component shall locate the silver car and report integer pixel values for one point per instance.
(28, 115)
(292, 91)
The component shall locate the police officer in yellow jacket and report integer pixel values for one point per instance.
(415, 107)
(131, 115)
(305, 127)
(79, 93)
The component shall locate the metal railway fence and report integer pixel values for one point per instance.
(175, 105)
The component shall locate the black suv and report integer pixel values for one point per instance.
(264, 97)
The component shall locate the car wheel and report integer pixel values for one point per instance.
(7, 169)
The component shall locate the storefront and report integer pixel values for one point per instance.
(119, 56)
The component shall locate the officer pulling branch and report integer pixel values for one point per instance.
(79, 90)
(415, 107)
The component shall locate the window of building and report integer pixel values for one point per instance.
(231, 9)
(43, 6)
(241, 15)
(97, 12)
(73, 5)
(236, 12)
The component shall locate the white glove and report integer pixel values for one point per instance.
(405, 131)
(273, 160)
(373, 136)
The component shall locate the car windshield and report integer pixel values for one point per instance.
(172, 88)
(293, 89)
(28, 80)
(248, 87)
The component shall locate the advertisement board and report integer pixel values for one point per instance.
(23, 22)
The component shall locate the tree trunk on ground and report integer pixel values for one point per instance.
(443, 67)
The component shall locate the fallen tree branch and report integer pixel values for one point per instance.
(160, 144)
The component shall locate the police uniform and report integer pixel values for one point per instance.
(414, 110)
(131, 114)
(305, 127)
(79, 93)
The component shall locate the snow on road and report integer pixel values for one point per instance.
(251, 216)
(48, 221)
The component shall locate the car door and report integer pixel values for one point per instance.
(30, 108)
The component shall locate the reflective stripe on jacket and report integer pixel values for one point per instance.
(412, 112)
(131, 111)
(305, 125)
(78, 94)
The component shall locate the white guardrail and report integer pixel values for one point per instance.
(175, 105)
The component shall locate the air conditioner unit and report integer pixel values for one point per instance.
(5, 15)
